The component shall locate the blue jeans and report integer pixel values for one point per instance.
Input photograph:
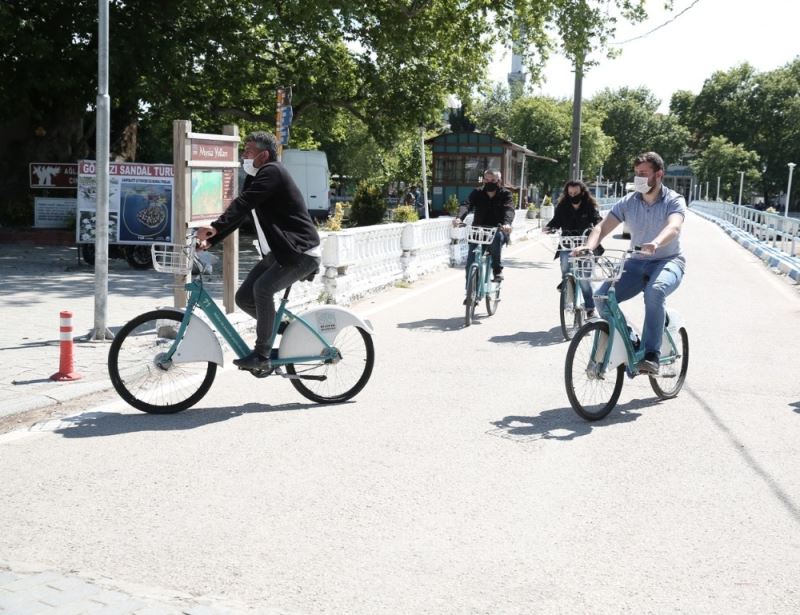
(494, 249)
(255, 295)
(658, 279)
(586, 287)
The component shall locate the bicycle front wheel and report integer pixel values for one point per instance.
(142, 379)
(340, 379)
(493, 298)
(472, 295)
(571, 315)
(592, 392)
(670, 378)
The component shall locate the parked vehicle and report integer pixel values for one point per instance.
(138, 256)
(309, 169)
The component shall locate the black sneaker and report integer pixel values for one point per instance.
(253, 361)
(589, 313)
(649, 365)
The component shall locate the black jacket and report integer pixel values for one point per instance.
(489, 211)
(573, 221)
(281, 213)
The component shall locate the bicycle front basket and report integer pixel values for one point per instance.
(172, 258)
(598, 268)
(481, 234)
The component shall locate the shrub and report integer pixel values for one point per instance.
(405, 213)
(451, 205)
(334, 222)
(368, 205)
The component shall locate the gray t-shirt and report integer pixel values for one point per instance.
(647, 221)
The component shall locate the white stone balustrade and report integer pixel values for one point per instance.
(359, 261)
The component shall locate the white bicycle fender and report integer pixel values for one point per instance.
(618, 354)
(199, 343)
(676, 321)
(298, 341)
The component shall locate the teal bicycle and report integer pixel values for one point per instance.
(165, 361)
(479, 277)
(602, 351)
(571, 307)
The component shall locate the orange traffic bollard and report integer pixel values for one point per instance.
(65, 367)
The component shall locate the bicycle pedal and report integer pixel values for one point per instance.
(260, 373)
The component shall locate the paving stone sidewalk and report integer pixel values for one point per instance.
(41, 281)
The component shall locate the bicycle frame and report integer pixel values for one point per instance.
(483, 261)
(619, 325)
(199, 298)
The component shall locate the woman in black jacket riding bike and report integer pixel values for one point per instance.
(576, 213)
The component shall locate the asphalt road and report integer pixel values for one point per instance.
(459, 480)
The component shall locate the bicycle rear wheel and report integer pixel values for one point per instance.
(472, 295)
(592, 393)
(571, 315)
(338, 380)
(142, 380)
(670, 379)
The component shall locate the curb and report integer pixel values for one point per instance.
(67, 392)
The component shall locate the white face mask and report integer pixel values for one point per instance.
(640, 184)
(247, 164)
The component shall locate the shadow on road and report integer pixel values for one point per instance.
(435, 324)
(99, 424)
(518, 264)
(796, 406)
(563, 423)
(533, 338)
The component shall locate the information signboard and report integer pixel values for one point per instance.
(139, 207)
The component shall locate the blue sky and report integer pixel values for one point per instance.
(710, 36)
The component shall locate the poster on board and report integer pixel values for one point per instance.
(139, 203)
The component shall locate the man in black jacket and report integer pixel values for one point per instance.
(492, 206)
(289, 242)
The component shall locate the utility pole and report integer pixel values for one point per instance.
(575, 149)
(102, 146)
(424, 170)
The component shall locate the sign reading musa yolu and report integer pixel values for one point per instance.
(212, 166)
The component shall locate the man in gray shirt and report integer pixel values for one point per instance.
(654, 214)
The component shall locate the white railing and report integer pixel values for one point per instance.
(364, 260)
(772, 237)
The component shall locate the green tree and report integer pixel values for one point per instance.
(760, 111)
(630, 117)
(725, 160)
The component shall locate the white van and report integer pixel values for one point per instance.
(309, 170)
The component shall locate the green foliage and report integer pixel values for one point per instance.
(405, 213)
(759, 111)
(451, 205)
(725, 160)
(368, 205)
(630, 118)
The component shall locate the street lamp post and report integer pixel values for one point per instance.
(741, 185)
(718, 188)
(791, 165)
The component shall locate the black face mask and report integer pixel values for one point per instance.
(490, 187)
(575, 199)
